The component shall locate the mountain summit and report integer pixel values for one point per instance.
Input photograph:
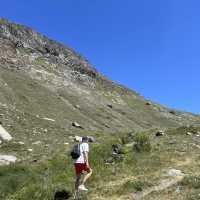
(48, 88)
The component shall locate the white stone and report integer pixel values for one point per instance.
(30, 150)
(49, 119)
(37, 142)
(22, 143)
(4, 135)
(78, 138)
(66, 143)
(174, 173)
(7, 159)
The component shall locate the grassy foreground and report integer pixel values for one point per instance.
(137, 171)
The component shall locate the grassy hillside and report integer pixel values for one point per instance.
(136, 172)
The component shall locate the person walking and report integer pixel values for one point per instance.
(82, 165)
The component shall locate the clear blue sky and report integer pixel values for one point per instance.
(151, 46)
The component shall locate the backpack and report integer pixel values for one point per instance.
(75, 153)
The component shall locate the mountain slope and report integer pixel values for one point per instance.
(40, 78)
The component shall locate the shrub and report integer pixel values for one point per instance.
(191, 182)
(142, 142)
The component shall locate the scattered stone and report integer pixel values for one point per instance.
(77, 139)
(91, 139)
(160, 133)
(77, 106)
(4, 135)
(66, 143)
(189, 133)
(45, 130)
(37, 142)
(1, 115)
(49, 119)
(71, 138)
(148, 103)
(173, 112)
(110, 106)
(77, 125)
(21, 143)
(30, 150)
(0, 142)
(174, 173)
(7, 159)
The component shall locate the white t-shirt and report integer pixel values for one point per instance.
(84, 147)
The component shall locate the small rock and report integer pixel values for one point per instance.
(148, 103)
(110, 106)
(91, 139)
(45, 130)
(77, 139)
(7, 159)
(37, 142)
(66, 143)
(30, 150)
(174, 173)
(21, 143)
(77, 125)
(77, 106)
(49, 119)
(160, 133)
(189, 133)
(0, 142)
(4, 135)
(173, 112)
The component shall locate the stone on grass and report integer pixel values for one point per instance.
(189, 133)
(21, 143)
(7, 159)
(160, 133)
(30, 150)
(77, 125)
(37, 142)
(49, 119)
(4, 135)
(174, 173)
(77, 139)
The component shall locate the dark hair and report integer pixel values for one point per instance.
(84, 138)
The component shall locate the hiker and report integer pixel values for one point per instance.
(82, 165)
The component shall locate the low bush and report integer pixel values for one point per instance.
(142, 142)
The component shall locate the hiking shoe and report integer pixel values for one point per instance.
(82, 187)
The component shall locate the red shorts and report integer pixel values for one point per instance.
(80, 168)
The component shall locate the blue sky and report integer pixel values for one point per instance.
(152, 46)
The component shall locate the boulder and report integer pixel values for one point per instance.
(160, 133)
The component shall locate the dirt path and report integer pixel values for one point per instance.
(164, 184)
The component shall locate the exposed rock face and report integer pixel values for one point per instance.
(40, 77)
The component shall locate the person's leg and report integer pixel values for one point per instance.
(77, 182)
(87, 177)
